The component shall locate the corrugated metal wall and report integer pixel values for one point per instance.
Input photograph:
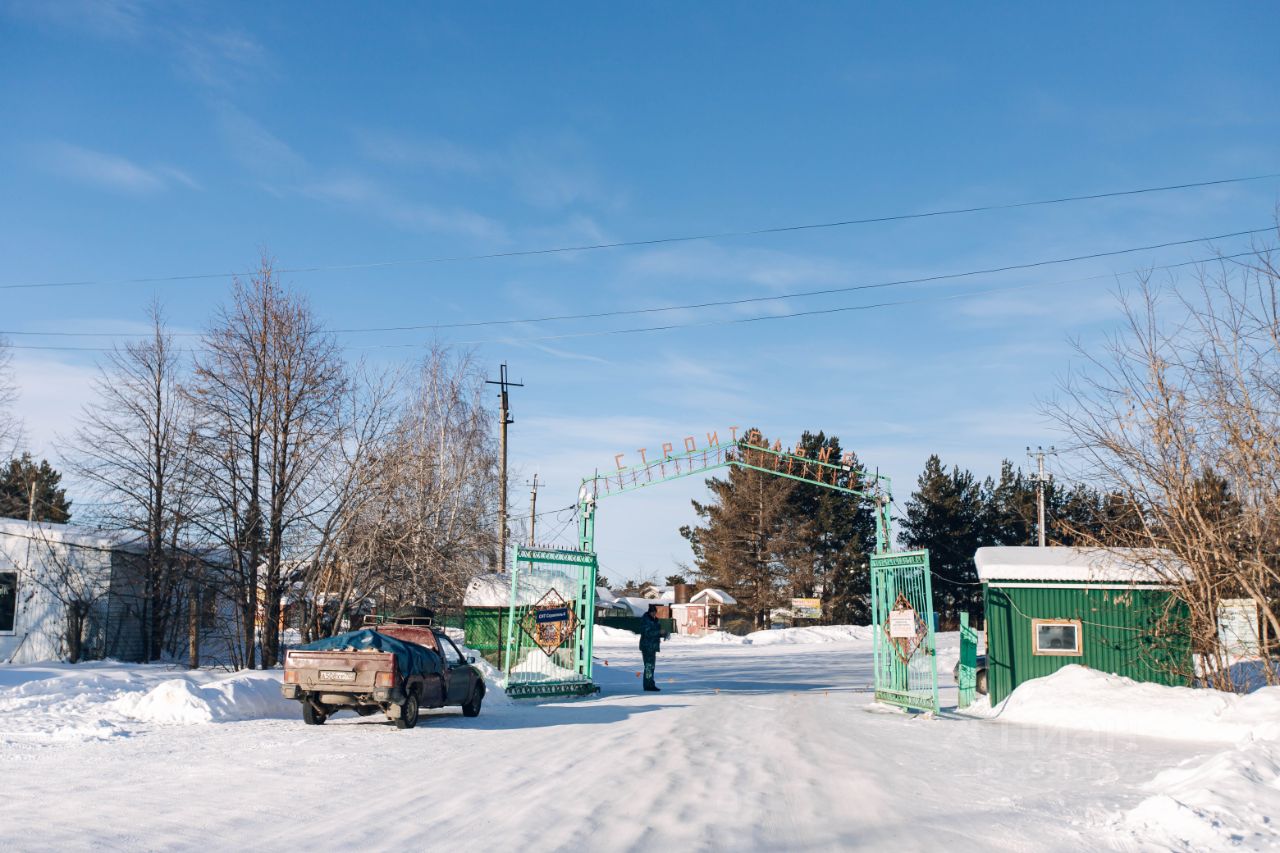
(1123, 631)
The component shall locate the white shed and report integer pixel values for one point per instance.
(50, 571)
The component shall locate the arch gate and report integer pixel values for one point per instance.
(905, 662)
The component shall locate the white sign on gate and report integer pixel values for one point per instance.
(902, 624)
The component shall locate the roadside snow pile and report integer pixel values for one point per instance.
(179, 701)
(1076, 697)
(815, 634)
(1229, 800)
(718, 638)
(605, 634)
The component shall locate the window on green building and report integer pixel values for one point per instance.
(8, 600)
(1056, 636)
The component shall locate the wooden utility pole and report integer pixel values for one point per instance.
(533, 511)
(503, 421)
(1041, 480)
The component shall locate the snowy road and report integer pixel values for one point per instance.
(747, 747)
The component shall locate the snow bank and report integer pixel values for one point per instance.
(605, 634)
(1075, 697)
(815, 634)
(179, 701)
(1229, 800)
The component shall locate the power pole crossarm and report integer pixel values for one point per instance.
(503, 422)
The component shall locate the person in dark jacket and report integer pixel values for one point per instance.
(650, 642)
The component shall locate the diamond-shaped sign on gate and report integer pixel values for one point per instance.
(550, 622)
(905, 628)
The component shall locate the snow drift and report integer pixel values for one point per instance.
(1229, 800)
(815, 634)
(1076, 697)
(179, 701)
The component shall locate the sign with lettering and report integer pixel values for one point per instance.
(806, 608)
(552, 614)
(550, 622)
(902, 624)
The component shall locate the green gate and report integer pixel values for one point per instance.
(550, 623)
(967, 668)
(906, 663)
(906, 671)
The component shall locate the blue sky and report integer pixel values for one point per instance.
(152, 139)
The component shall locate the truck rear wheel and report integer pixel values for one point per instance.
(311, 716)
(408, 713)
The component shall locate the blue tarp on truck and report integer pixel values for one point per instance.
(410, 657)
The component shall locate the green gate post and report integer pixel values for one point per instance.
(967, 675)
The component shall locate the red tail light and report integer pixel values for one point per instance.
(385, 679)
(290, 676)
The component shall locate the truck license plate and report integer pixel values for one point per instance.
(335, 675)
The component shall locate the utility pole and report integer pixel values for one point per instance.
(503, 421)
(533, 511)
(1041, 480)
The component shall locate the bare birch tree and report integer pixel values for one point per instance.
(1180, 414)
(10, 425)
(133, 448)
(268, 388)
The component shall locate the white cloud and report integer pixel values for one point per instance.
(372, 196)
(110, 171)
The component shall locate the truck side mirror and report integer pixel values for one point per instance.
(471, 658)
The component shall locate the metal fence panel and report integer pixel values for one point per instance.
(906, 663)
(550, 622)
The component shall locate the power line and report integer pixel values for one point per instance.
(717, 235)
(943, 297)
(721, 303)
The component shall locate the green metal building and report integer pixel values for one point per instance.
(1047, 608)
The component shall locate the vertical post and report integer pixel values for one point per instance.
(503, 421)
(533, 511)
(507, 663)
(1041, 480)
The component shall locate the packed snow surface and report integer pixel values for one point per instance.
(749, 746)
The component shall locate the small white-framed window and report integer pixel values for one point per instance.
(1056, 637)
(8, 601)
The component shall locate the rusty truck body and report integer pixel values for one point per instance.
(398, 668)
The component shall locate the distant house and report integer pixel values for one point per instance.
(53, 575)
(703, 612)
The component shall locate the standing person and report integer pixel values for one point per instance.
(650, 642)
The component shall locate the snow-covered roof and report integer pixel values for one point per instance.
(1087, 565)
(638, 605)
(604, 595)
(711, 594)
(494, 589)
(68, 534)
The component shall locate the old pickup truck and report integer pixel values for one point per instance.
(398, 668)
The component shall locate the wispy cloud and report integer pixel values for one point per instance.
(110, 171)
(110, 19)
(376, 198)
(546, 171)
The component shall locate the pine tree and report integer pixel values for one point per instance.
(948, 514)
(840, 538)
(28, 490)
(749, 541)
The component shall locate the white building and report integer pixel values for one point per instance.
(49, 571)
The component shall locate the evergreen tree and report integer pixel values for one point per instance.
(948, 514)
(840, 537)
(31, 490)
(750, 539)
